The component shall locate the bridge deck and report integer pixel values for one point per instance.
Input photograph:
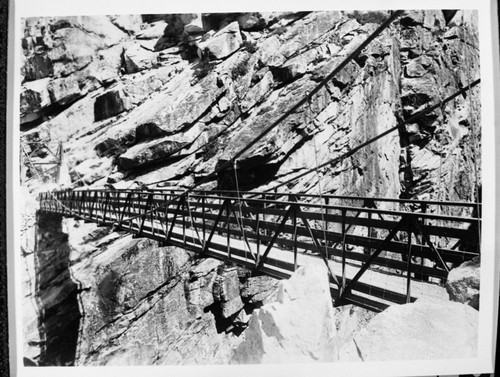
(375, 256)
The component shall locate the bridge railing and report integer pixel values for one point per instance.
(275, 233)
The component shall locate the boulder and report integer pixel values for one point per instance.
(434, 329)
(147, 152)
(344, 78)
(65, 90)
(349, 320)
(109, 104)
(188, 105)
(291, 70)
(223, 43)
(267, 51)
(137, 58)
(193, 23)
(35, 96)
(434, 19)
(226, 291)
(252, 21)
(260, 290)
(464, 282)
(417, 67)
(131, 23)
(258, 92)
(37, 66)
(154, 31)
(298, 327)
(417, 92)
(176, 23)
(106, 68)
(99, 27)
(413, 18)
(199, 285)
(75, 47)
(91, 170)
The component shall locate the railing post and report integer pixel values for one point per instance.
(94, 201)
(81, 204)
(294, 224)
(183, 219)
(126, 204)
(264, 213)
(152, 216)
(343, 248)
(408, 267)
(421, 239)
(166, 198)
(257, 231)
(228, 229)
(146, 209)
(204, 225)
(106, 205)
(327, 203)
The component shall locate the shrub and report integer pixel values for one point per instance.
(239, 69)
(203, 68)
(250, 46)
(279, 30)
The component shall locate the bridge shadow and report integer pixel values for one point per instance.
(56, 294)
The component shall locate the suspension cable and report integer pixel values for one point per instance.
(379, 136)
(320, 189)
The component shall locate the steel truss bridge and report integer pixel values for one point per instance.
(378, 251)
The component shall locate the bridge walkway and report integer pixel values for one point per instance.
(378, 251)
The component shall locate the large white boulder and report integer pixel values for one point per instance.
(137, 58)
(298, 327)
(425, 329)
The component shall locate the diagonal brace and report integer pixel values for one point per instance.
(369, 261)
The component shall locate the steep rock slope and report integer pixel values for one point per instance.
(171, 118)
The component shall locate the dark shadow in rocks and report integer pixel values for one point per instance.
(251, 173)
(222, 324)
(56, 293)
(47, 113)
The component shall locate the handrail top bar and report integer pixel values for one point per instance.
(327, 207)
(329, 196)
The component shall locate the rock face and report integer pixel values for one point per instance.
(463, 283)
(436, 330)
(128, 284)
(247, 80)
(168, 98)
(298, 327)
(223, 43)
